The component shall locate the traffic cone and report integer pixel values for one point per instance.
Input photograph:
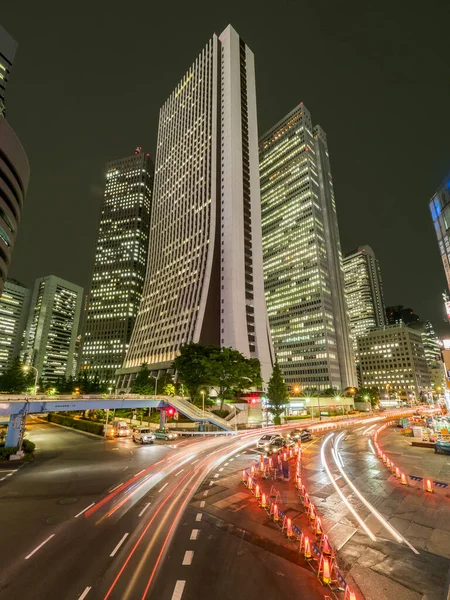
(319, 530)
(403, 479)
(244, 476)
(306, 547)
(299, 482)
(428, 486)
(326, 548)
(257, 492)
(289, 528)
(397, 472)
(270, 463)
(349, 594)
(384, 457)
(276, 516)
(263, 503)
(393, 467)
(261, 463)
(252, 471)
(312, 512)
(326, 570)
(303, 492)
(306, 501)
(388, 463)
(250, 483)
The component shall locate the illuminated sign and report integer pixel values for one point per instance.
(446, 344)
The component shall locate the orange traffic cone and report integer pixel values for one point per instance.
(250, 483)
(276, 516)
(244, 475)
(257, 492)
(312, 512)
(326, 570)
(319, 530)
(299, 482)
(263, 501)
(429, 486)
(403, 479)
(306, 547)
(397, 472)
(326, 548)
(306, 500)
(252, 470)
(289, 528)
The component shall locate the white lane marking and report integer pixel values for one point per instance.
(188, 556)
(216, 475)
(226, 464)
(206, 492)
(202, 504)
(84, 510)
(176, 474)
(8, 475)
(221, 469)
(2, 478)
(198, 517)
(124, 537)
(40, 546)
(85, 593)
(178, 591)
(193, 462)
(115, 488)
(139, 473)
(211, 483)
(144, 509)
(231, 459)
(194, 534)
(166, 484)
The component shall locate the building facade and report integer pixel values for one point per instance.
(304, 282)
(433, 355)
(400, 313)
(204, 279)
(392, 359)
(364, 292)
(440, 214)
(52, 327)
(119, 266)
(14, 305)
(14, 166)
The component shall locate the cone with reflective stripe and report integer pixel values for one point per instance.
(428, 486)
(319, 530)
(326, 548)
(397, 472)
(403, 479)
(299, 482)
(306, 501)
(306, 547)
(250, 483)
(289, 528)
(263, 503)
(257, 492)
(326, 570)
(244, 476)
(276, 516)
(252, 471)
(312, 512)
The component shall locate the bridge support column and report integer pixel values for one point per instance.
(162, 418)
(202, 426)
(16, 429)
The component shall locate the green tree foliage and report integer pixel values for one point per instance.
(143, 383)
(15, 380)
(277, 394)
(368, 394)
(191, 366)
(169, 390)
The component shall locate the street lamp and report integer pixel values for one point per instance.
(27, 368)
(202, 392)
(110, 390)
(155, 377)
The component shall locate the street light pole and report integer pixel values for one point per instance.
(318, 405)
(155, 377)
(26, 368)
(203, 402)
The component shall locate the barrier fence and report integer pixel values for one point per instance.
(425, 483)
(314, 544)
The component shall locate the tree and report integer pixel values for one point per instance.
(142, 384)
(278, 394)
(230, 372)
(192, 368)
(368, 394)
(15, 380)
(169, 390)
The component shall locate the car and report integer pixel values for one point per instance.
(294, 434)
(266, 440)
(119, 428)
(279, 444)
(442, 447)
(165, 434)
(143, 435)
(305, 435)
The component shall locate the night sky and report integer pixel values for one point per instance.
(88, 81)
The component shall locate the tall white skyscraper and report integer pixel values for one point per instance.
(14, 304)
(119, 266)
(204, 279)
(304, 282)
(52, 327)
(364, 291)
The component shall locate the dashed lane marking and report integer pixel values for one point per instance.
(47, 540)
(124, 537)
(202, 504)
(85, 593)
(194, 534)
(84, 510)
(198, 517)
(166, 484)
(144, 509)
(188, 556)
(178, 591)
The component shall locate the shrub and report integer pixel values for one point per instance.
(79, 424)
(6, 451)
(28, 446)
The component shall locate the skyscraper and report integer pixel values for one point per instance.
(364, 292)
(14, 167)
(119, 265)
(52, 327)
(204, 279)
(304, 282)
(14, 304)
(440, 214)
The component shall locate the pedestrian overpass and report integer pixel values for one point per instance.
(18, 407)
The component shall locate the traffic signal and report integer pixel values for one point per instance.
(171, 412)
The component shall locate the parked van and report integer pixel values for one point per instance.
(119, 428)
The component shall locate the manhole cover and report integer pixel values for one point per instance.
(54, 520)
(67, 500)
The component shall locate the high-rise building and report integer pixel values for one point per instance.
(392, 358)
(14, 167)
(52, 327)
(119, 266)
(400, 313)
(433, 354)
(440, 214)
(364, 292)
(204, 279)
(304, 281)
(14, 304)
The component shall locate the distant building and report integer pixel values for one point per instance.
(52, 327)
(364, 292)
(397, 314)
(303, 277)
(392, 359)
(433, 355)
(14, 305)
(119, 266)
(440, 214)
(204, 280)
(14, 167)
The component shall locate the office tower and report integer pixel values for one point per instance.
(204, 279)
(364, 292)
(14, 304)
(392, 359)
(14, 167)
(440, 214)
(119, 266)
(433, 354)
(395, 314)
(52, 327)
(303, 275)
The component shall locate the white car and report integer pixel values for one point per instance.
(267, 440)
(143, 435)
